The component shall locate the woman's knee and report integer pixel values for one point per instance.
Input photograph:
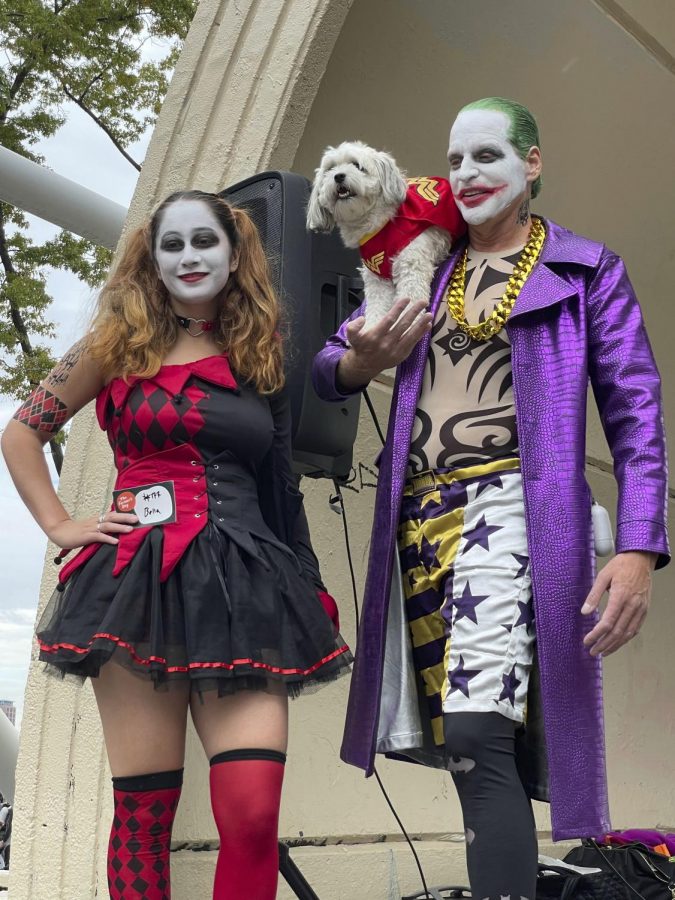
(246, 792)
(254, 822)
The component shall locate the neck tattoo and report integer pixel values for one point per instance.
(524, 213)
(195, 327)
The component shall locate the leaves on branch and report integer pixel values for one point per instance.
(113, 59)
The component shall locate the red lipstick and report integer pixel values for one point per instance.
(477, 194)
(192, 277)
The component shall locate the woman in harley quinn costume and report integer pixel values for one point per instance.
(222, 607)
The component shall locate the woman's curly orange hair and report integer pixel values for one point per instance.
(133, 329)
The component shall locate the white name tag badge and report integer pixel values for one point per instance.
(154, 504)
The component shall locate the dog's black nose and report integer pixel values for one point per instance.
(340, 177)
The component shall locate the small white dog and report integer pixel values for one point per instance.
(403, 228)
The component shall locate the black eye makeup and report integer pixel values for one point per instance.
(173, 242)
(205, 238)
(488, 154)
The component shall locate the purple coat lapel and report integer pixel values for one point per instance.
(545, 287)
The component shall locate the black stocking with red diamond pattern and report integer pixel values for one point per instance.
(140, 838)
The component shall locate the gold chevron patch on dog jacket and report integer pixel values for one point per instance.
(428, 202)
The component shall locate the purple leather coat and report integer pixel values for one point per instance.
(576, 318)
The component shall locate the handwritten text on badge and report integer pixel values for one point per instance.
(154, 504)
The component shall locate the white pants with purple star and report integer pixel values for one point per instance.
(466, 574)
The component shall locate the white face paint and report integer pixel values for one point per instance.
(193, 253)
(486, 173)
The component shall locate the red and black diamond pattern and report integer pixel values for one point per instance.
(140, 841)
(154, 419)
(43, 411)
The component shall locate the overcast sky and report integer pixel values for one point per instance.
(81, 152)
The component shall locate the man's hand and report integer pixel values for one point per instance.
(384, 345)
(628, 578)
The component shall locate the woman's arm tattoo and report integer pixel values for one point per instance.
(43, 411)
(61, 372)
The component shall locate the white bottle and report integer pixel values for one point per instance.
(602, 530)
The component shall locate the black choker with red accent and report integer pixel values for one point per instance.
(195, 327)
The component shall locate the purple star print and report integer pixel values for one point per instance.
(493, 480)
(467, 603)
(460, 677)
(511, 683)
(428, 556)
(523, 562)
(526, 616)
(480, 535)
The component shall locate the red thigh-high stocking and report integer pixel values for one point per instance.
(245, 797)
(140, 839)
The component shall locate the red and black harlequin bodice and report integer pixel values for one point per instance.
(184, 404)
(150, 415)
(225, 447)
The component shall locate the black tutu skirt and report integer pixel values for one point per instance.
(224, 619)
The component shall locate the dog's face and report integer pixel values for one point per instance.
(353, 184)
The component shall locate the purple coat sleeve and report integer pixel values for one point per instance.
(324, 367)
(627, 389)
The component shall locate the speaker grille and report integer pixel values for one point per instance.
(263, 201)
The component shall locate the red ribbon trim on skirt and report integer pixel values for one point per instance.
(52, 648)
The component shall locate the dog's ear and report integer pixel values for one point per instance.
(318, 217)
(394, 185)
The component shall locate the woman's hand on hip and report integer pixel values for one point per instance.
(72, 533)
(628, 578)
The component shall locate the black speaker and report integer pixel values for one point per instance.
(316, 280)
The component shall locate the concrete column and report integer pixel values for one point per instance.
(241, 93)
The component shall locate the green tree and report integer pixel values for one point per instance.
(89, 52)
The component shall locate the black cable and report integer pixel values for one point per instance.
(373, 414)
(405, 834)
(369, 404)
(338, 500)
(341, 504)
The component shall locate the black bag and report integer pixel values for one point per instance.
(647, 875)
(559, 883)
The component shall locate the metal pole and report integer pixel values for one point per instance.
(9, 749)
(37, 190)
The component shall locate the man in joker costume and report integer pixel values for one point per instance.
(479, 647)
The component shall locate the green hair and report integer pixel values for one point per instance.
(524, 132)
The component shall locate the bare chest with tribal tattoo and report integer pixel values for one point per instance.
(466, 411)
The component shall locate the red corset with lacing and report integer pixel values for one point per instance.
(152, 432)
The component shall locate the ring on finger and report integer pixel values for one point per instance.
(101, 518)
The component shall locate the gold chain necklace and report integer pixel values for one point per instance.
(494, 323)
